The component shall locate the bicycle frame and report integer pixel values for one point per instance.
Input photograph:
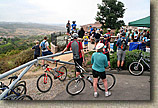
(141, 59)
(49, 70)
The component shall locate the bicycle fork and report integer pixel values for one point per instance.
(45, 78)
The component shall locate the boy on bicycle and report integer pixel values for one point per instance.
(99, 63)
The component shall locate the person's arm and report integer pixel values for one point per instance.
(109, 45)
(64, 50)
(33, 47)
(92, 59)
(68, 46)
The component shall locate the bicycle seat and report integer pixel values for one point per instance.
(13, 77)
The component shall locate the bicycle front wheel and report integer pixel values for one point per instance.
(136, 68)
(75, 86)
(62, 72)
(24, 97)
(44, 83)
(111, 80)
(18, 90)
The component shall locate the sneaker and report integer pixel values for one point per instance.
(95, 94)
(108, 93)
(120, 68)
(109, 68)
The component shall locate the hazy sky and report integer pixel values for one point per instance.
(59, 11)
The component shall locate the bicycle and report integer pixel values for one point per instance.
(77, 85)
(137, 68)
(44, 82)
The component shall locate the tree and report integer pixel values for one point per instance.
(109, 13)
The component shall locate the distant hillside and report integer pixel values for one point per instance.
(27, 29)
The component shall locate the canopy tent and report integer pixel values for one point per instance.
(144, 22)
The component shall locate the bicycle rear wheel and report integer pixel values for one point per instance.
(136, 69)
(22, 82)
(44, 83)
(64, 71)
(111, 80)
(24, 97)
(75, 86)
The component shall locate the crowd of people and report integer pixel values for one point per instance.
(101, 58)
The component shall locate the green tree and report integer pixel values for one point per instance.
(109, 13)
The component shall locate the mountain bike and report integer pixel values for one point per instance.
(44, 82)
(77, 85)
(137, 68)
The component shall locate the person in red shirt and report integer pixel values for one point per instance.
(77, 50)
(109, 34)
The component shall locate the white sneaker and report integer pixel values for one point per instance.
(108, 93)
(95, 94)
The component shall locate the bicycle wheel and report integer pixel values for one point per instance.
(24, 97)
(64, 71)
(44, 83)
(136, 69)
(22, 82)
(111, 80)
(75, 86)
(19, 90)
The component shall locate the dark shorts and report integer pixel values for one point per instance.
(79, 61)
(97, 40)
(108, 56)
(35, 56)
(97, 74)
(148, 44)
(46, 53)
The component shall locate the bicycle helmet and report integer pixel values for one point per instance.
(75, 35)
(99, 46)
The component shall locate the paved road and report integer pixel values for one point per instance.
(127, 87)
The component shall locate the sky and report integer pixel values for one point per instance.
(59, 11)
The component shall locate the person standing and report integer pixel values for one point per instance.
(106, 48)
(44, 45)
(99, 63)
(68, 27)
(77, 50)
(97, 38)
(37, 50)
(109, 34)
(81, 32)
(85, 39)
(122, 45)
(73, 25)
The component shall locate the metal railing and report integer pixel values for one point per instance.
(28, 66)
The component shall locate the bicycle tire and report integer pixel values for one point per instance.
(74, 82)
(24, 97)
(111, 80)
(62, 69)
(40, 83)
(134, 70)
(19, 90)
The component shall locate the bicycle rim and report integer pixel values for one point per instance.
(136, 69)
(63, 70)
(75, 86)
(44, 83)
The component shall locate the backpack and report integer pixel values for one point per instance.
(123, 44)
(43, 46)
(75, 50)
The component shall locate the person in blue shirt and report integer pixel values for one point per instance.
(73, 25)
(99, 63)
(121, 53)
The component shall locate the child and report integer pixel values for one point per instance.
(37, 50)
(85, 39)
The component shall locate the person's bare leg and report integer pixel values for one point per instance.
(109, 63)
(95, 81)
(77, 73)
(122, 63)
(42, 62)
(118, 63)
(105, 84)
